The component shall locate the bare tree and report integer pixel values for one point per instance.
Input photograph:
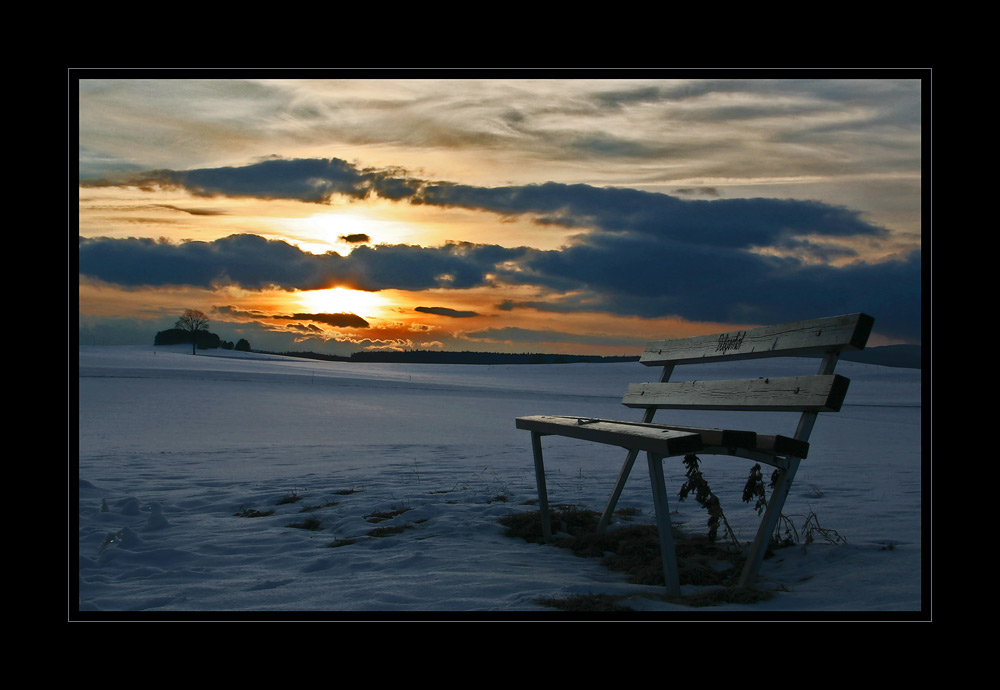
(193, 321)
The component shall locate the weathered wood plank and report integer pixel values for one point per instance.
(659, 440)
(846, 332)
(750, 440)
(709, 436)
(772, 444)
(786, 394)
(782, 445)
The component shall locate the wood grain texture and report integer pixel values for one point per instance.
(710, 437)
(846, 332)
(658, 440)
(785, 394)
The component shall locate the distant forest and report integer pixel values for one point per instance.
(889, 355)
(908, 356)
(439, 357)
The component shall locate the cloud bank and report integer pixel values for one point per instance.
(729, 222)
(637, 253)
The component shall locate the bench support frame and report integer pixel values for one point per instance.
(787, 467)
(668, 555)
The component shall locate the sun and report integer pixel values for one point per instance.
(341, 301)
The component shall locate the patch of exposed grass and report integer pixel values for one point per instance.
(388, 530)
(728, 595)
(328, 504)
(290, 498)
(309, 523)
(627, 513)
(382, 515)
(635, 550)
(586, 603)
(568, 520)
(252, 512)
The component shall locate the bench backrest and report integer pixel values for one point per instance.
(823, 392)
(834, 333)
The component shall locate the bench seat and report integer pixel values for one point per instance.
(650, 438)
(666, 440)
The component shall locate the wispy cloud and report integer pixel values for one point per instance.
(696, 128)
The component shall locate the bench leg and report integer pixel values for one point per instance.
(647, 417)
(616, 494)
(543, 498)
(769, 523)
(667, 554)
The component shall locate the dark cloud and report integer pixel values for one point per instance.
(741, 223)
(246, 260)
(637, 253)
(514, 334)
(445, 311)
(236, 311)
(410, 267)
(193, 211)
(728, 222)
(356, 238)
(305, 179)
(309, 328)
(648, 279)
(576, 302)
(697, 191)
(390, 187)
(255, 263)
(341, 320)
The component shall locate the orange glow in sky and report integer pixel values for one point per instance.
(578, 215)
(342, 301)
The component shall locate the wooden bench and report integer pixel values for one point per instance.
(808, 395)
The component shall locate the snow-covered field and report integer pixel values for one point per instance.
(172, 447)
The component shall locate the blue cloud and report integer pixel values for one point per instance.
(245, 260)
(255, 263)
(739, 223)
(446, 311)
(637, 253)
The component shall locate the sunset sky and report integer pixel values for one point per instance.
(575, 212)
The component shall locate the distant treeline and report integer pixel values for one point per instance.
(889, 355)
(439, 357)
